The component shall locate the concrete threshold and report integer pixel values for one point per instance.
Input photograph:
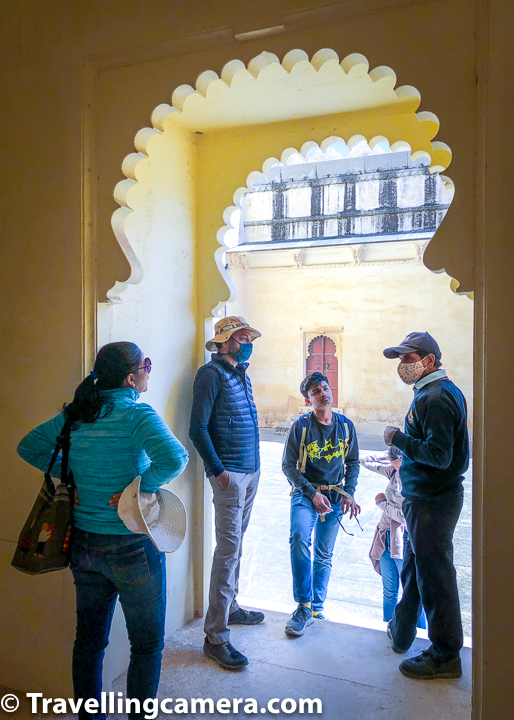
(334, 614)
(352, 670)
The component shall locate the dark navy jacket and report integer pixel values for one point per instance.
(435, 442)
(224, 426)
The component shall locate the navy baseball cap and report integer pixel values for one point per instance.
(419, 342)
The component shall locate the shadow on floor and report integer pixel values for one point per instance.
(353, 671)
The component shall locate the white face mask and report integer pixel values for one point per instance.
(410, 373)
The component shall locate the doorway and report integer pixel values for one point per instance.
(322, 358)
(210, 136)
(334, 275)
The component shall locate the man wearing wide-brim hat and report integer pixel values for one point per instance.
(225, 432)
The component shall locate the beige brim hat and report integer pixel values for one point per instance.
(226, 327)
(161, 515)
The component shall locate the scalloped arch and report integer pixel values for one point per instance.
(298, 88)
(232, 211)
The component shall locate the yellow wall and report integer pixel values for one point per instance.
(78, 81)
(363, 309)
(227, 158)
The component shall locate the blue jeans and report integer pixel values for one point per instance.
(310, 577)
(105, 567)
(391, 569)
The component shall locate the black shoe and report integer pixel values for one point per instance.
(299, 620)
(425, 667)
(225, 655)
(394, 647)
(245, 617)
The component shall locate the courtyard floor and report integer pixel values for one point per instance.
(355, 590)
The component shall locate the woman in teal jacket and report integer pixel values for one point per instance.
(113, 440)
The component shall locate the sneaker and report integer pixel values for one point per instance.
(245, 617)
(318, 616)
(299, 620)
(425, 667)
(225, 655)
(394, 647)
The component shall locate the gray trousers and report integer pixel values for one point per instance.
(232, 508)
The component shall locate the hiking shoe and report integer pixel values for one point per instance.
(225, 655)
(318, 616)
(394, 647)
(245, 617)
(299, 620)
(425, 667)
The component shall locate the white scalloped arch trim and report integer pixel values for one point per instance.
(230, 214)
(352, 68)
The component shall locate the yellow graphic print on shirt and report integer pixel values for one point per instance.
(316, 453)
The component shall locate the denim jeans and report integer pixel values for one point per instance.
(429, 577)
(310, 577)
(105, 567)
(391, 569)
(232, 509)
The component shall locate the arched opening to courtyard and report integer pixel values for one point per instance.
(326, 260)
(180, 183)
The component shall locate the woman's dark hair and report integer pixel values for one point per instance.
(112, 365)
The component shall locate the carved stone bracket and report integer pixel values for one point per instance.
(357, 254)
(238, 260)
(298, 259)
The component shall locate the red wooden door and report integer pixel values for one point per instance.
(322, 358)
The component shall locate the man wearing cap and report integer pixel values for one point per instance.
(435, 456)
(225, 432)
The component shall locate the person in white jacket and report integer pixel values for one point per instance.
(386, 551)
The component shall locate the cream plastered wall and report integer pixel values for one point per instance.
(159, 314)
(363, 309)
(78, 82)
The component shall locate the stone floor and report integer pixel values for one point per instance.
(355, 590)
(351, 670)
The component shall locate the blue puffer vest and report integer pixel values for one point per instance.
(233, 426)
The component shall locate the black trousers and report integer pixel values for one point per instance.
(428, 576)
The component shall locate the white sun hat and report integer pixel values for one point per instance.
(161, 515)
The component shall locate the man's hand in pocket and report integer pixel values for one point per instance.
(223, 480)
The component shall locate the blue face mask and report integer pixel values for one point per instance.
(244, 352)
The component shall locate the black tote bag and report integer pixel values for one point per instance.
(44, 542)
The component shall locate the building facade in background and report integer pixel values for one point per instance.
(329, 267)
